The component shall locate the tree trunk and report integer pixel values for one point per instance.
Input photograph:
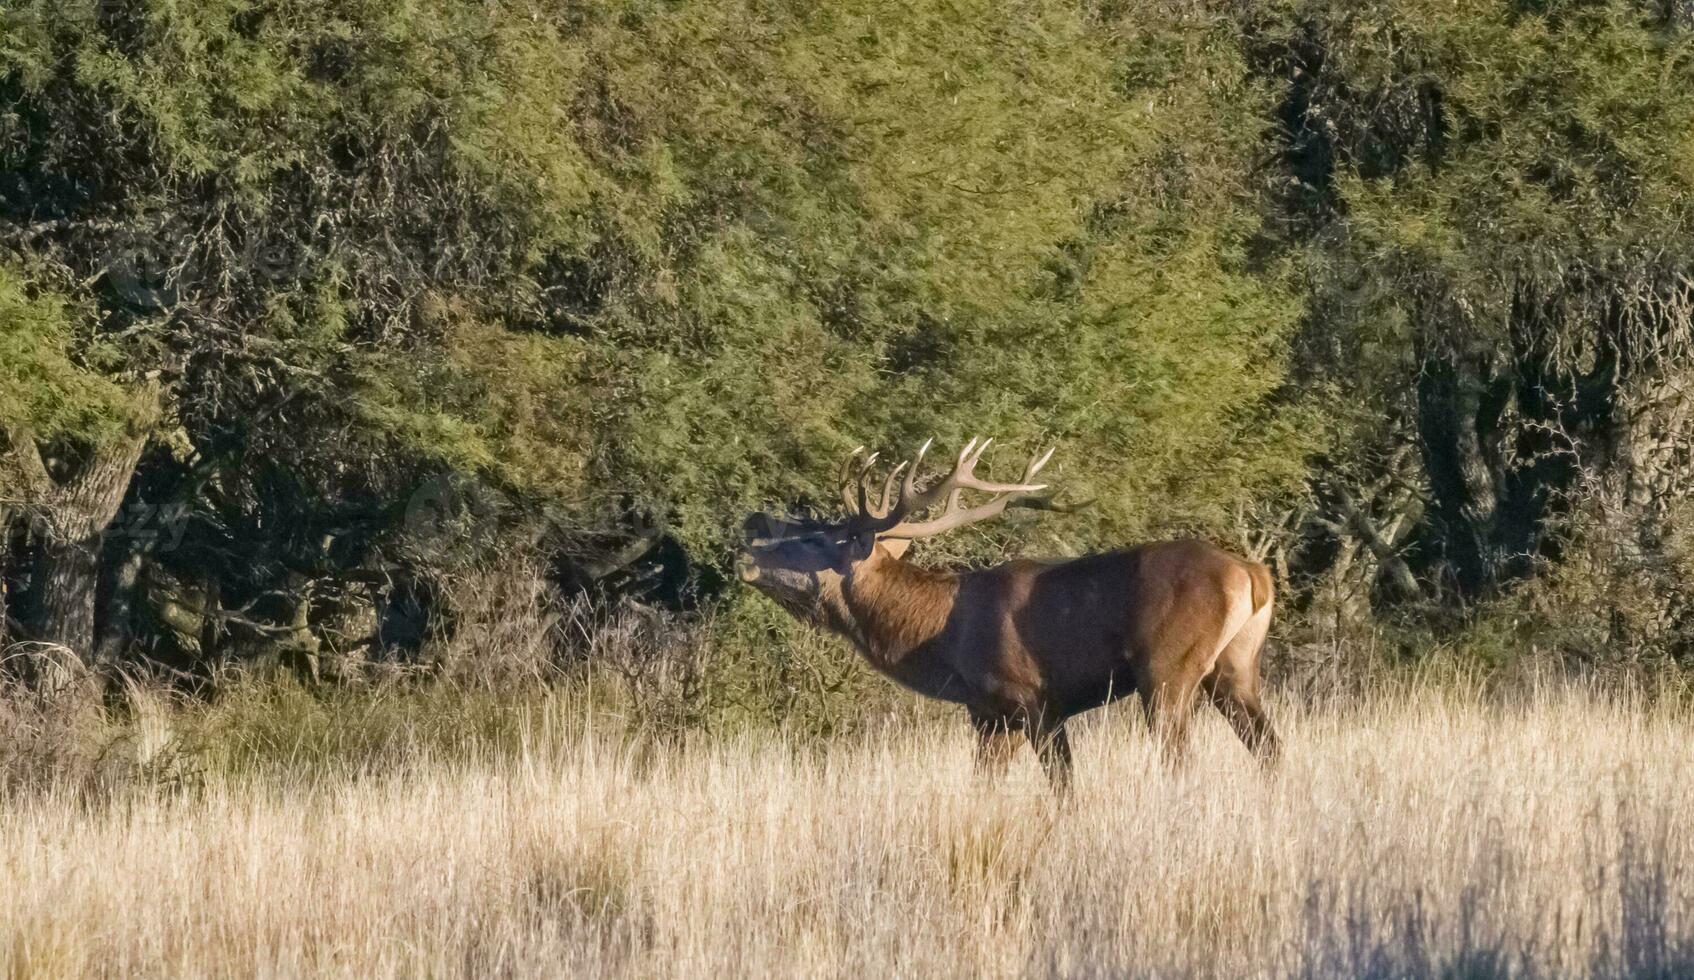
(71, 517)
(1453, 414)
(73, 524)
(5, 574)
(116, 617)
(1498, 450)
(65, 581)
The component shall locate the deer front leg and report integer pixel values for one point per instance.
(1053, 746)
(996, 740)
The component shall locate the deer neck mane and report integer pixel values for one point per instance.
(894, 607)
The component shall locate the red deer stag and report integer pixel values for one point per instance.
(1027, 644)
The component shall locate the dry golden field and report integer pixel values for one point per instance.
(1416, 834)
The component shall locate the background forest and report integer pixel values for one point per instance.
(349, 336)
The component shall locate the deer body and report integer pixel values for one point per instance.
(1027, 644)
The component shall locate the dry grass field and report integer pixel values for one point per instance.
(1407, 835)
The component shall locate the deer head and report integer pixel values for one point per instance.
(805, 564)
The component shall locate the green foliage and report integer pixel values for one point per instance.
(1492, 204)
(42, 388)
(1489, 160)
(693, 253)
(632, 261)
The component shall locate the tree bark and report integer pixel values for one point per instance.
(116, 616)
(66, 577)
(70, 518)
(1450, 404)
(72, 524)
(5, 573)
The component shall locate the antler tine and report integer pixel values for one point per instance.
(887, 502)
(1035, 465)
(844, 478)
(863, 502)
(891, 515)
(965, 475)
(908, 486)
(950, 489)
(855, 494)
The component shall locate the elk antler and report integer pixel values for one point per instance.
(852, 484)
(891, 516)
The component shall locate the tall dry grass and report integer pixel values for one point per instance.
(1412, 834)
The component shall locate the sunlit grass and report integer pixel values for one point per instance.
(1418, 834)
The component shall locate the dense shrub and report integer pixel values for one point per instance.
(1395, 295)
(632, 263)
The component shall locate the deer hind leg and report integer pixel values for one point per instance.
(1168, 701)
(1171, 682)
(1233, 687)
